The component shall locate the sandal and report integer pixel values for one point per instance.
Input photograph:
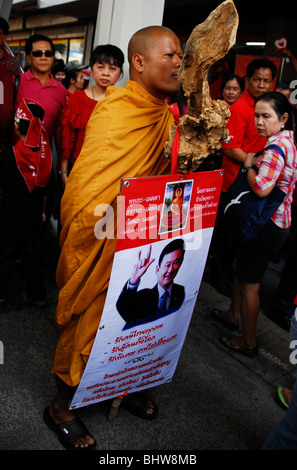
(233, 326)
(68, 432)
(249, 352)
(137, 404)
(281, 397)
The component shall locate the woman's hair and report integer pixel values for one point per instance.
(240, 81)
(280, 104)
(4, 26)
(58, 66)
(69, 74)
(108, 54)
(233, 76)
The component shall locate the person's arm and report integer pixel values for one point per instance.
(63, 170)
(237, 126)
(141, 267)
(252, 174)
(66, 136)
(236, 155)
(126, 304)
(44, 209)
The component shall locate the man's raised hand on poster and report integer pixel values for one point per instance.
(141, 267)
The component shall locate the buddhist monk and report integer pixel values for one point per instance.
(124, 138)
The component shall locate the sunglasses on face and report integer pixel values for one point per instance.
(39, 53)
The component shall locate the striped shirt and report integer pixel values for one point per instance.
(273, 169)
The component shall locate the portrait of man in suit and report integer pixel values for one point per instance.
(138, 306)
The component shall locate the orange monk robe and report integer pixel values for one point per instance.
(124, 138)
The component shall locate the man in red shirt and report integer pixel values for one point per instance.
(38, 83)
(9, 67)
(243, 136)
(243, 139)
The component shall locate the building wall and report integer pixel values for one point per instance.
(68, 34)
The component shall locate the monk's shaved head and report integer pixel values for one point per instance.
(143, 40)
(155, 55)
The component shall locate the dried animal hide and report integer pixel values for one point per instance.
(203, 127)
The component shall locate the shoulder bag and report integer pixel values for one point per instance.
(245, 213)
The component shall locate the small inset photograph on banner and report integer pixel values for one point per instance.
(176, 206)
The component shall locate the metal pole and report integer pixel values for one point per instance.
(281, 69)
(11, 53)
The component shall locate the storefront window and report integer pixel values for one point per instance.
(14, 47)
(66, 49)
(61, 49)
(76, 50)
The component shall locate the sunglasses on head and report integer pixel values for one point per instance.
(39, 53)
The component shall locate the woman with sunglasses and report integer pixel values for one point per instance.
(106, 68)
(38, 83)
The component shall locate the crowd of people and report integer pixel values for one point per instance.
(102, 134)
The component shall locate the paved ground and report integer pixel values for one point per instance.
(217, 400)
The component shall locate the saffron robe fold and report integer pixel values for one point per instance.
(125, 137)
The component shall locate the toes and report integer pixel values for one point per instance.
(84, 441)
(150, 407)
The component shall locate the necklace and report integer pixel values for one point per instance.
(94, 96)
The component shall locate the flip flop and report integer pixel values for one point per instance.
(249, 352)
(281, 397)
(68, 432)
(232, 326)
(136, 403)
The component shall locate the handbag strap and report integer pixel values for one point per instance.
(272, 147)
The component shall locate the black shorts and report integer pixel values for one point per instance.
(253, 257)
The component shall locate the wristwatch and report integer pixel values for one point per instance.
(247, 168)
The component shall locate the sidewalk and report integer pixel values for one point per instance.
(217, 400)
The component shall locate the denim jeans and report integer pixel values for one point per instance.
(284, 435)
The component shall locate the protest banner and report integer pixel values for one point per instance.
(165, 224)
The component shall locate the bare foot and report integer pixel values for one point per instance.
(237, 343)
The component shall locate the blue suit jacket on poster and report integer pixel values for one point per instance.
(138, 307)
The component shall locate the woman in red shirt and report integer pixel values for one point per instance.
(106, 67)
